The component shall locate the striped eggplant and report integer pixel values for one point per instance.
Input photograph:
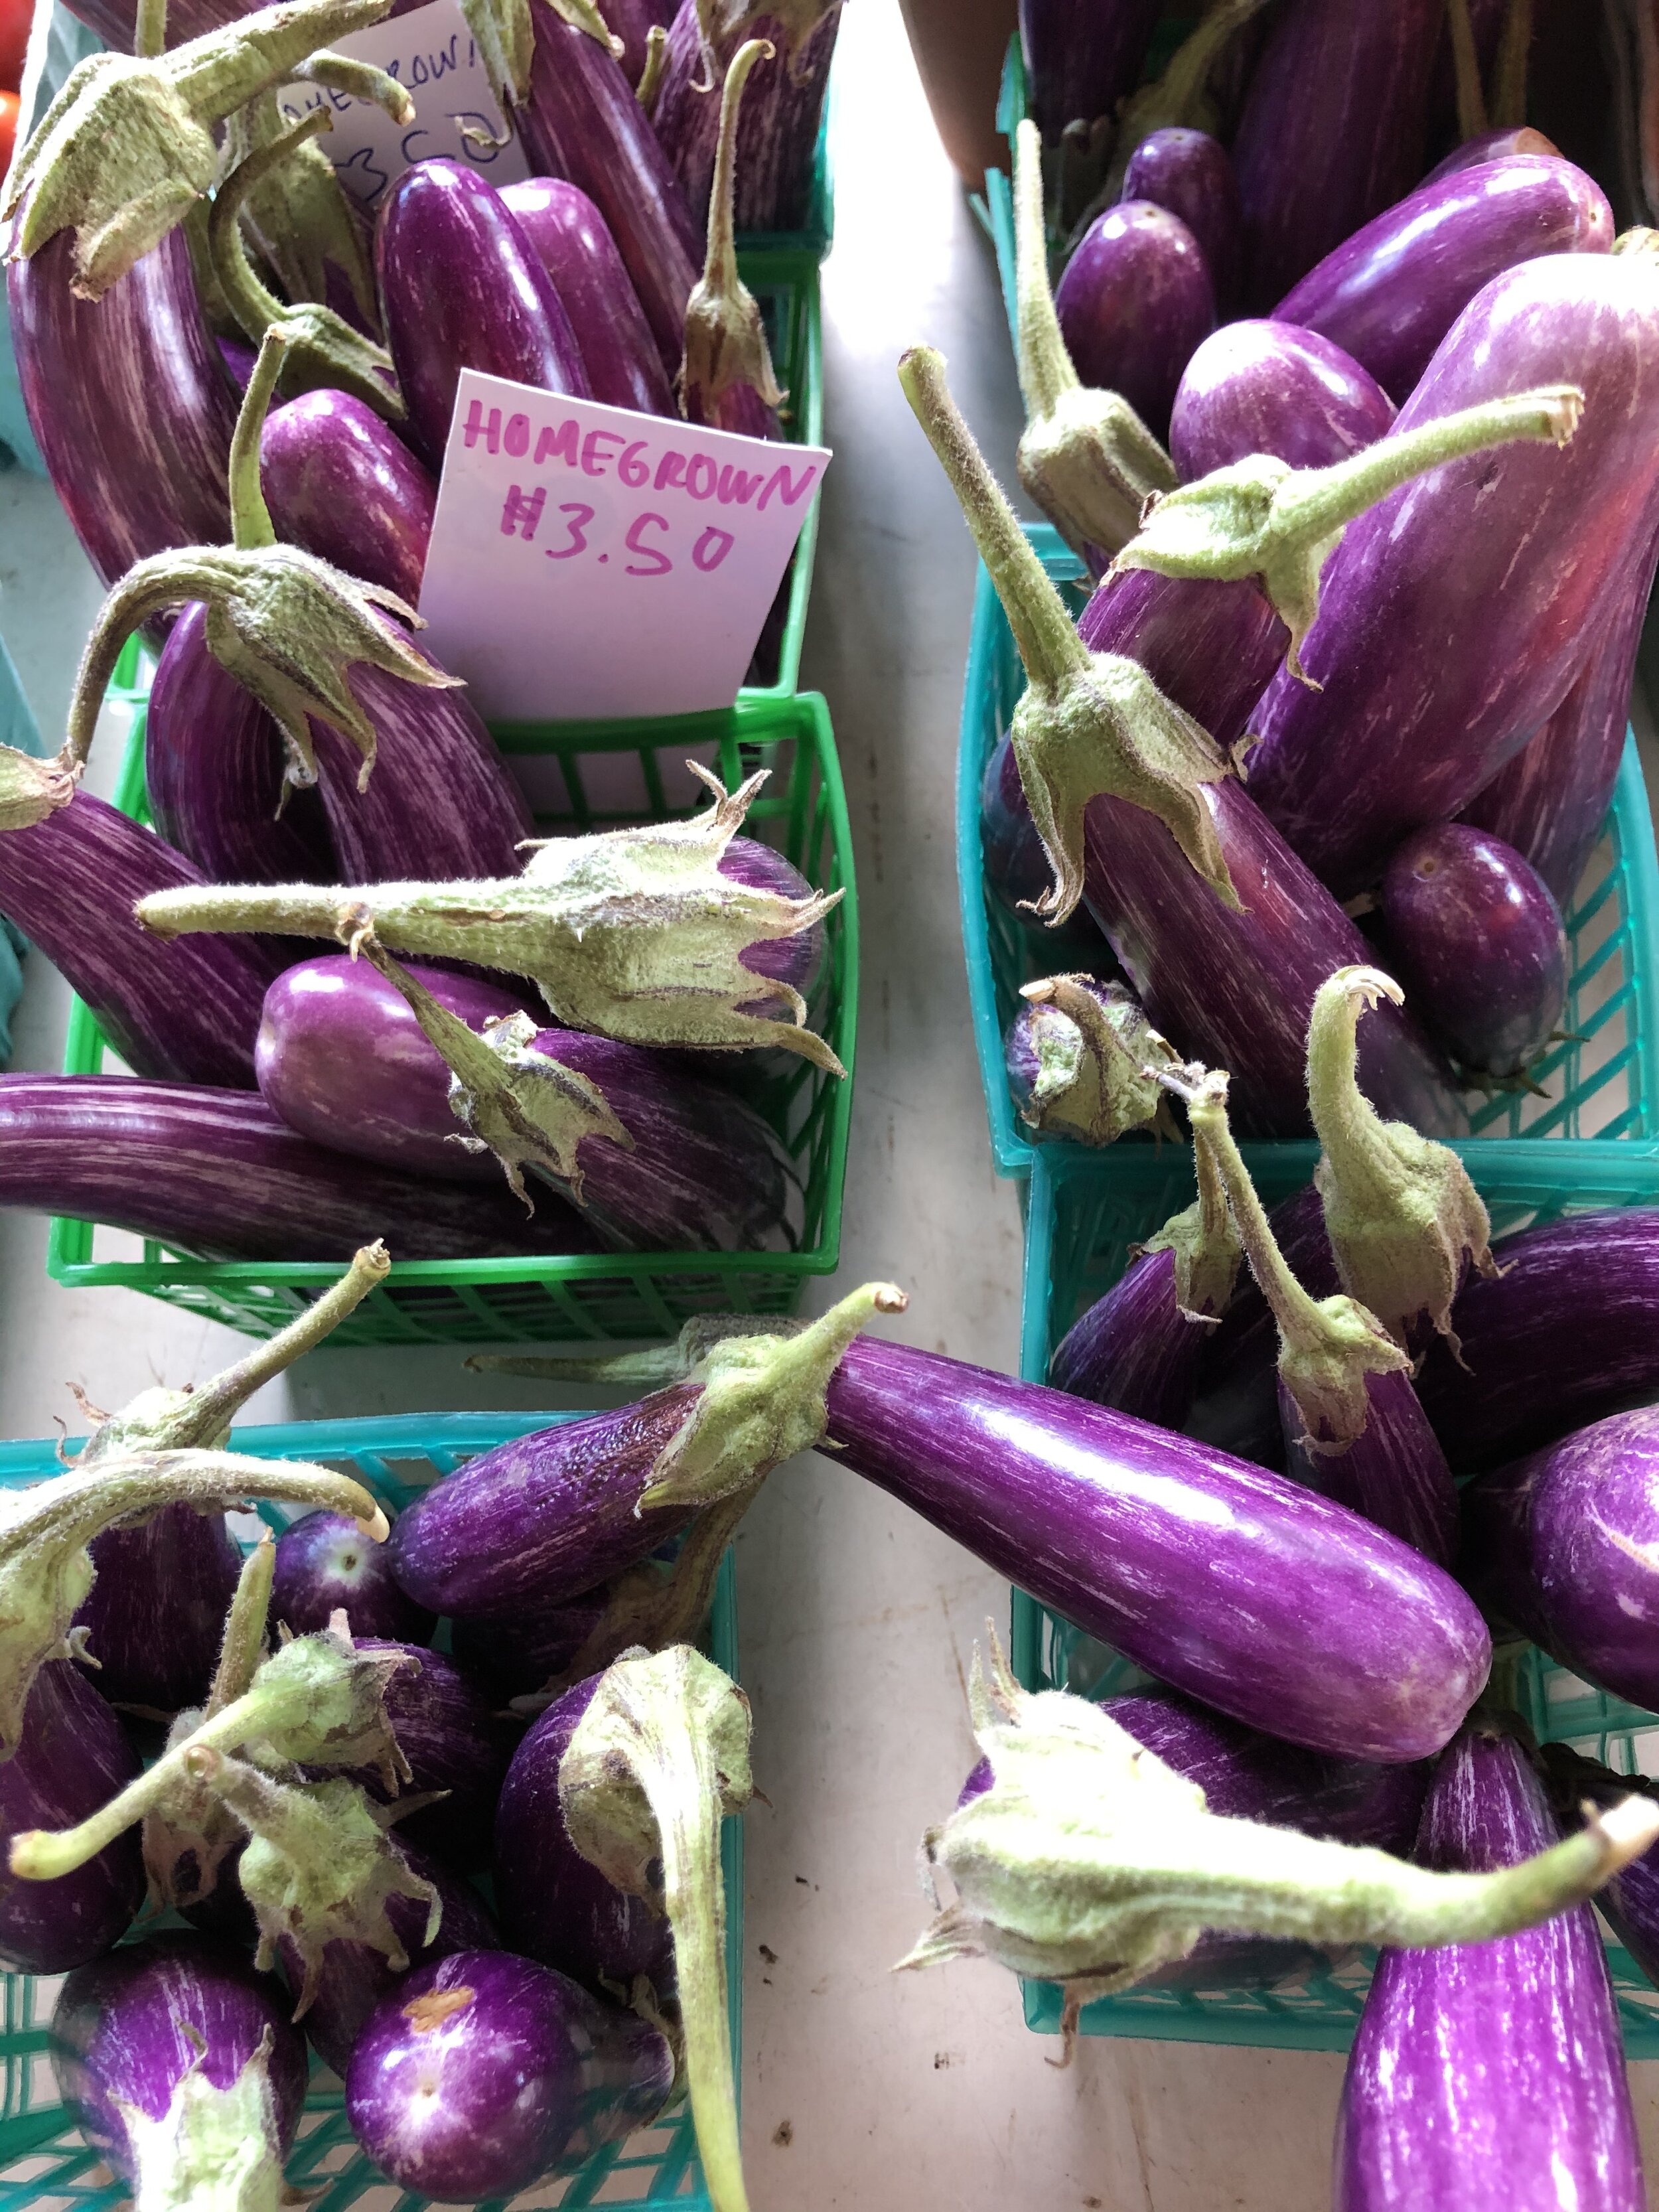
(1135, 303)
(568, 236)
(1268, 387)
(342, 483)
(1081, 59)
(778, 136)
(455, 1745)
(73, 1756)
(1188, 173)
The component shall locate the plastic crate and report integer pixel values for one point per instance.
(783, 274)
(581, 776)
(1081, 1224)
(1604, 1082)
(43, 2159)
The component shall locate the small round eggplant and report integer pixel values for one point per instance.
(1268, 387)
(1188, 173)
(1476, 937)
(454, 1740)
(573, 243)
(481, 2073)
(155, 1614)
(74, 1757)
(339, 482)
(1134, 302)
(324, 1562)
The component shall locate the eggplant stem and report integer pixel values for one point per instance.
(1348, 1126)
(1509, 85)
(1295, 1310)
(1046, 369)
(1466, 68)
(242, 1648)
(149, 29)
(146, 589)
(357, 80)
(656, 63)
(250, 518)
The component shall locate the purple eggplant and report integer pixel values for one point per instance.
(1476, 937)
(1331, 131)
(1211, 647)
(1267, 387)
(1492, 146)
(1081, 59)
(1490, 2076)
(1390, 293)
(568, 234)
(1630, 1902)
(157, 1609)
(461, 287)
(778, 137)
(1550, 801)
(339, 482)
(137, 452)
(1082, 1060)
(448, 1732)
(1135, 303)
(1188, 173)
(1540, 533)
(516, 1658)
(1393, 1473)
(341, 1059)
(74, 1755)
(1017, 870)
(631, 23)
(481, 2073)
(325, 1563)
(216, 1172)
(174, 2058)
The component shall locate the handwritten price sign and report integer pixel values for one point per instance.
(588, 562)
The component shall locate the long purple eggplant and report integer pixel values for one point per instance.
(1331, 131)
(1475, 935)
(1188, 173)
(569, 238)
(73, 1756)
(461, 287)
(174, 2058)
(778, 137)
(1135, 303)
(341, 483)
(216, 1172)
(1390, 293)
(1268, 387)
(1490, 2076)
(481, 2073)
(1539, 534)
(1631, 1900)
(326, 1565)
(1081, 59)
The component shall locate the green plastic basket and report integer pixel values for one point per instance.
(1081, 1223)
(784, 278)
(581, 776)
(1603, 1083)
(42, 2160)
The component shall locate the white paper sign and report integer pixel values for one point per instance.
(430, 52)
(587, 562)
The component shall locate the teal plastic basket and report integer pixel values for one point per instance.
(42, 2160)
(1081, 1223)
(1601, 1083)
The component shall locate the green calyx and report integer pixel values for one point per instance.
(128, 147)
(725, 339)
(32, 789)
(299, 214)
(1089, 725)
(1095, 1049)
(211, 2150)
(658, 1759)
(1259, 517)
(504, 31)
(1403, 1217)
(631, 934)
(1090, 1862)
(1204, 1243)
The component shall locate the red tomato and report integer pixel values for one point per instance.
(14, 42)
(8, 129)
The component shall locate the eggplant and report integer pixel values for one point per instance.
(1493, 146)
(1135, 303)
(515, 1657)
(725, 380)
(1268, 387)
(1236, 1403)
(1081, 59)
(73, 1755)
(777, 141)
(326, 1565)
(1477, 937)
(1629, 1903)
(217, 1173)
(460, 288)
(1490, 2075)
(342, 483)
(451, 1740)
(481, 2073)
(631, 23)
(1017, 871)
(174, 2059)
(1388, 294)
(1331, 131)
(1540, 536)
(1189, 172)
(1082, 1061)
(154, 1619)
(567, 235)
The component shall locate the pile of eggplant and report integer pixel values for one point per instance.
(242, 388)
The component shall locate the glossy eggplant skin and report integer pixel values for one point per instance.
(1134, 1349)
(1562, 1336)
(1542, 534)
(1277, 1607)
(341, 1057)
(217, 1173)
(1189, 172)
(581, 120)
(1390, 293)
(460, 288)
(70, 881)
(568, 236)
(1492, 146)
(1332, 131)
(342, 484)
(1562, 1545)
(1081, 57)
(482, 2072)
(129, 2028)
(1394, 1473)
(130, 401)
(1268, 387)
(157, 1614)
(782, 107)
(1135, 303)
(324, 1563)
(1475, 936)
(449, 1732)
(554, 1905)
(73, 1758)
(1490, 2076)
